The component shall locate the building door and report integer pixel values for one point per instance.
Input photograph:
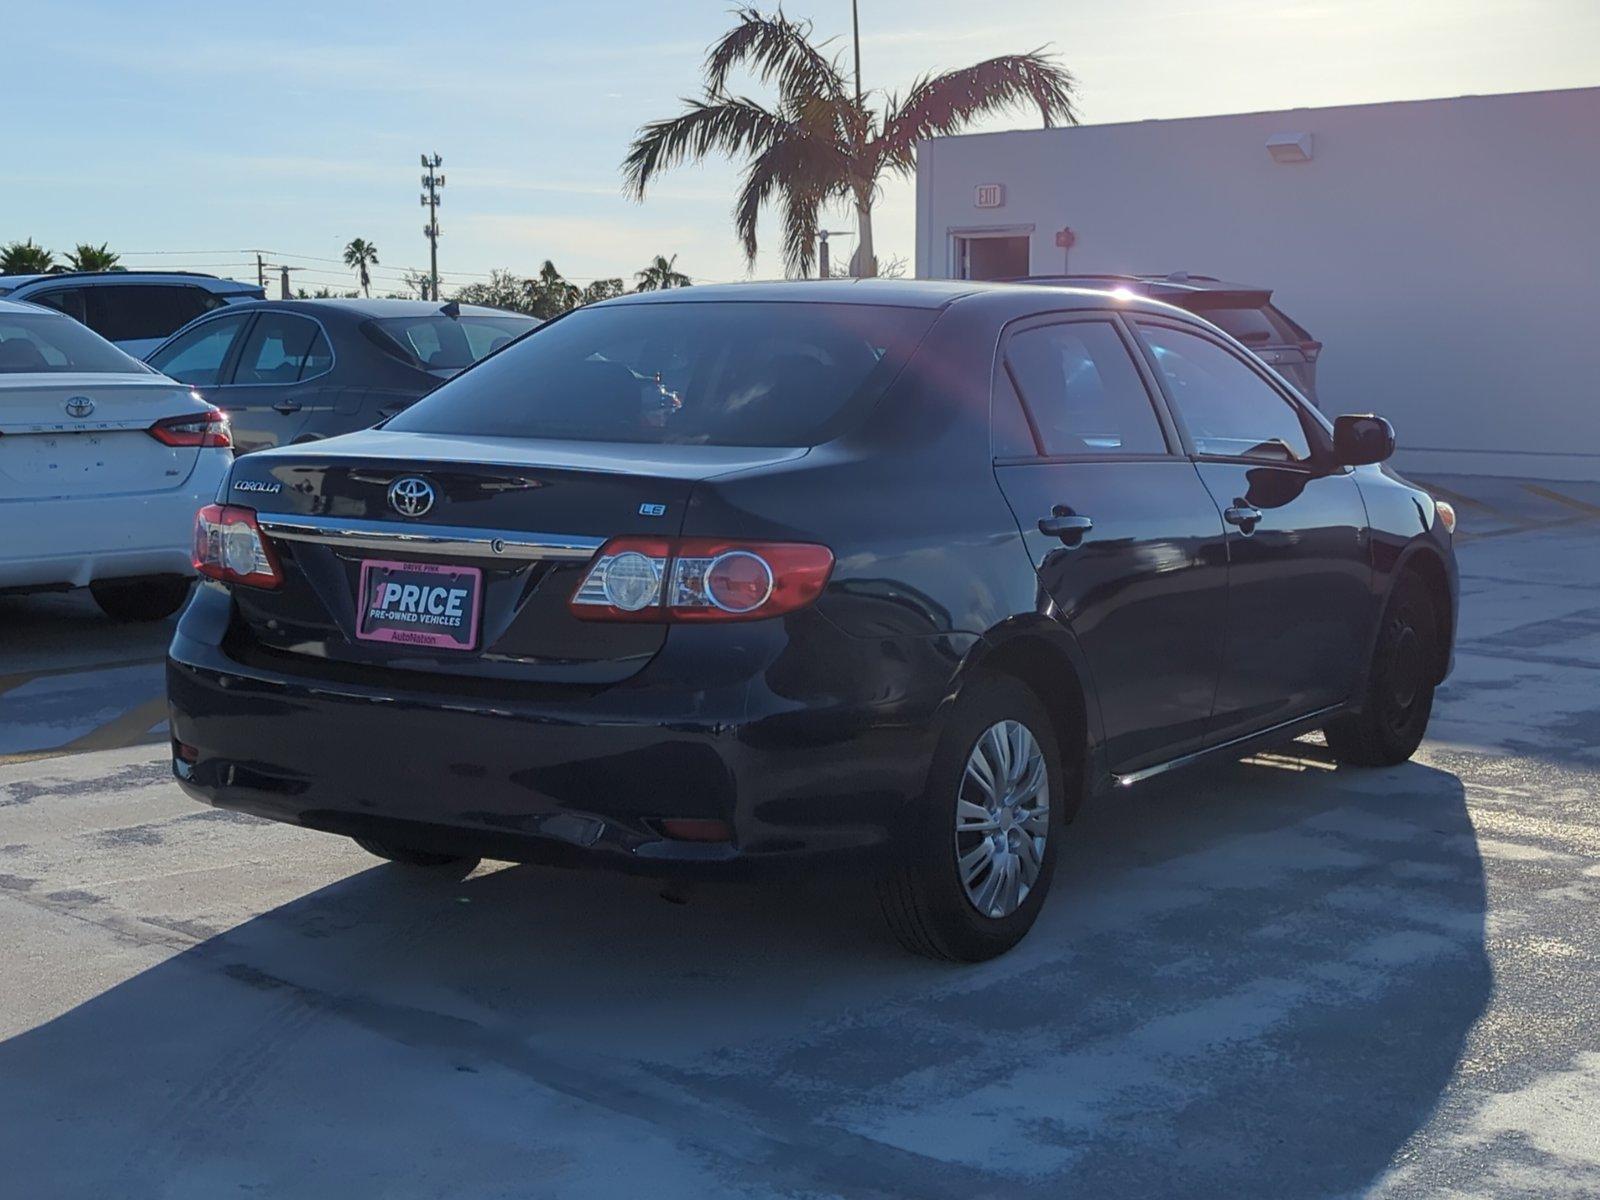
(991, 256)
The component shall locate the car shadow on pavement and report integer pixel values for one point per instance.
(1252, 981)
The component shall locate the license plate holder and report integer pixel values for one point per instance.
(433, 606)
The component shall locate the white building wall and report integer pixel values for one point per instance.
(1447, 252)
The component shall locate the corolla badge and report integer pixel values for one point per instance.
(255, 485)
(411, 496)
(78, 406)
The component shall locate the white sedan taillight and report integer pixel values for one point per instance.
(700, 579)
(228, 545)
(194, 429)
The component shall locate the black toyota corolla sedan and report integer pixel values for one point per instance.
(881, 575)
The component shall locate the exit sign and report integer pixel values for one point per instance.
(991, 195)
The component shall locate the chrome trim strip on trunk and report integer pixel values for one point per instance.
(1308, 719)
(457, 541)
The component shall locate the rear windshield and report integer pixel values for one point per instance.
(442, 344)
(1252, 326)
(31, 344)
(717, 373)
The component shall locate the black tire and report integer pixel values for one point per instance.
(153, 599)
(923, 898)
(1394, 714)
(406, 856)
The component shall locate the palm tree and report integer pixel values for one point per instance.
(88, 257)
(661, 273)
(361, 254)
(26, 258)
(823, 142)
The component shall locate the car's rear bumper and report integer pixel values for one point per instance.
(804, 769)
(66, 542)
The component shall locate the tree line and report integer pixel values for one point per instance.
(30, 258)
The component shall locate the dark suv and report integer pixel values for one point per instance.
(882, 574)
(1240, 309)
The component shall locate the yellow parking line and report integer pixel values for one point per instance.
(12, 682)
(116, 734)
(1561, 498)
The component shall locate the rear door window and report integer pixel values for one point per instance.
(1083, 390)
(198, 356)
(718, 373)
(125, 312)
(66, 300)
(1227, 408)
(277, 350)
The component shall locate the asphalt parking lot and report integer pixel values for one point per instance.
(1273, 979)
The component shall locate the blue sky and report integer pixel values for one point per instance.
(202, 130)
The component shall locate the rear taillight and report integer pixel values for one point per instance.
(194, 429)
(228, 545)
(700, 579)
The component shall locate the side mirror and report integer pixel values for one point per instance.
(1359, 440)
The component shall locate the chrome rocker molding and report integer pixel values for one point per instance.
(1299, 725)
(449, 540)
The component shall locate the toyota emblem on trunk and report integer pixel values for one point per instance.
(411, 496)
(78, 406)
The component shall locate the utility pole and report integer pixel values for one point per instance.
(433, 181)
(283, 284)
(855, 28)
(261, 273)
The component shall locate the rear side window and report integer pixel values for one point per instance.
(1080, 384)
(441, 343)
(1013, 438)
(126, 312)
(1227, 408)
(1255, 326)
(278, 350)
(31, 344)
(718, 373)
(197, 356)
(65, 300)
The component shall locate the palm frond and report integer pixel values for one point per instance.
(798, 165)
(730, 124)
(776, 50)
(947, 103)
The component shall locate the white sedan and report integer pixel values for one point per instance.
(103, 464)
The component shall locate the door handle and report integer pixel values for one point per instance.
(287, 406)
(1067, 526)
(1242, 515)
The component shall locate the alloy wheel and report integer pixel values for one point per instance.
(1002, 819)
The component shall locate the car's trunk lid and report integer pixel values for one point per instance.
(519, 519)
(88, 435)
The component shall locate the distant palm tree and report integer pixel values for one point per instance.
(555, 294)
(88, 257)
(822, 142)
(361, 254)
(660, 274)
(26, 258)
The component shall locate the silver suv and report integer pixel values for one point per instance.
(136, 310)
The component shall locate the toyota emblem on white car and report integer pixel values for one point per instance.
(78, 406)
(411, 496)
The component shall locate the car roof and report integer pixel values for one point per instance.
(1006, 299)
(213, 283)
(365, 308)
(898, 293)
(1175, 284)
